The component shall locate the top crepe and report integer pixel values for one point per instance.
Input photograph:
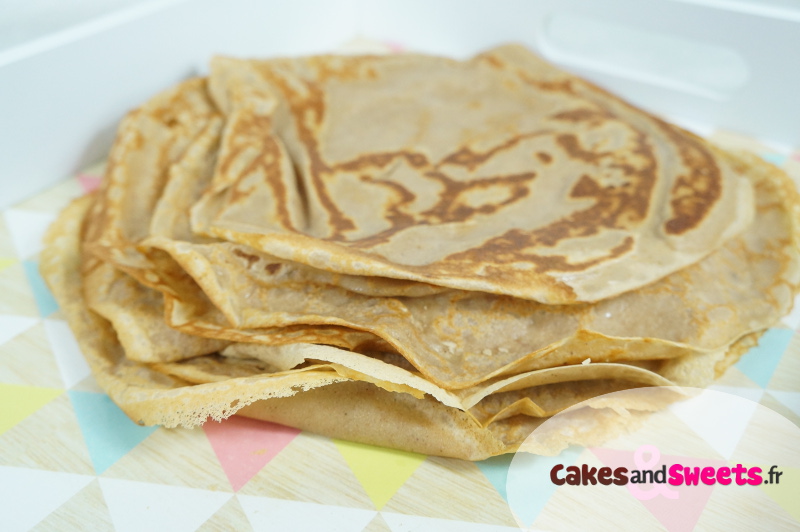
(530, 181)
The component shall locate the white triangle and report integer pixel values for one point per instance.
(27, 229)
(719, 415)
(11, 326)
(29, 495)
(790, 400)
(792, 320)
(266, 513)
(68, 355)
(409, 523)
(751, 394)
(136, 506)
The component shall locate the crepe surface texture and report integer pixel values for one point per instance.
(415, 252)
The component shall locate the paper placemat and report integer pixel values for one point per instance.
(71, 460)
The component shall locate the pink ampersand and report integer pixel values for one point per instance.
(642, 463)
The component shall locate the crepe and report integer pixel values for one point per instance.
(309, 172)
(455, 338)
(215, 271)
(391, 410)
(458, 339)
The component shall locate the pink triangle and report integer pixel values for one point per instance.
(395, 47)
(677, 514)
(243, 446)
(88, 182)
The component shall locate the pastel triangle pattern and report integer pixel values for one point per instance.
(775, 158)
(395, 47)
(29, 495)
(790, 400)
(44, 299)
(750, 394)
(89, 183)
(18, 402)
(380, 471)
(6, 262)
(786, 492)
(378, 524)
(136, 506)
(414, 523)
(244, 446)
(267, 514)
(792, 320)
(27, 229)
(527, 493)
(760, 362)
(496, 471)
(678, 514)
(86, 506)
(230, 516)
(108, 432)
(70, 361)
(720, 418)
(11, 326)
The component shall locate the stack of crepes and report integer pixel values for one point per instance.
(413, 251)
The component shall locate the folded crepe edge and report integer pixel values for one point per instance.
(373, 415)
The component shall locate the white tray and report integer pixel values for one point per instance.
(67, 78)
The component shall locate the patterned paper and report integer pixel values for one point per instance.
(69, 456)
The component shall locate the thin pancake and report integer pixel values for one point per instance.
(458, 339)
(312, 399)
(501, 174)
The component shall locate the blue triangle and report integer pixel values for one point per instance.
(529, 485)
(760, 362)
(44, 299)
(108, 432)
(496, 470)
(775, 158)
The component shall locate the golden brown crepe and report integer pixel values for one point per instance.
(459, 338)
(455, 338)
(414, 252)
(358, 164)
(391, 410)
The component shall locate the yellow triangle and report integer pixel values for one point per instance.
(6, 262)
(381, 471)
(18, 402)
(786, 491)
